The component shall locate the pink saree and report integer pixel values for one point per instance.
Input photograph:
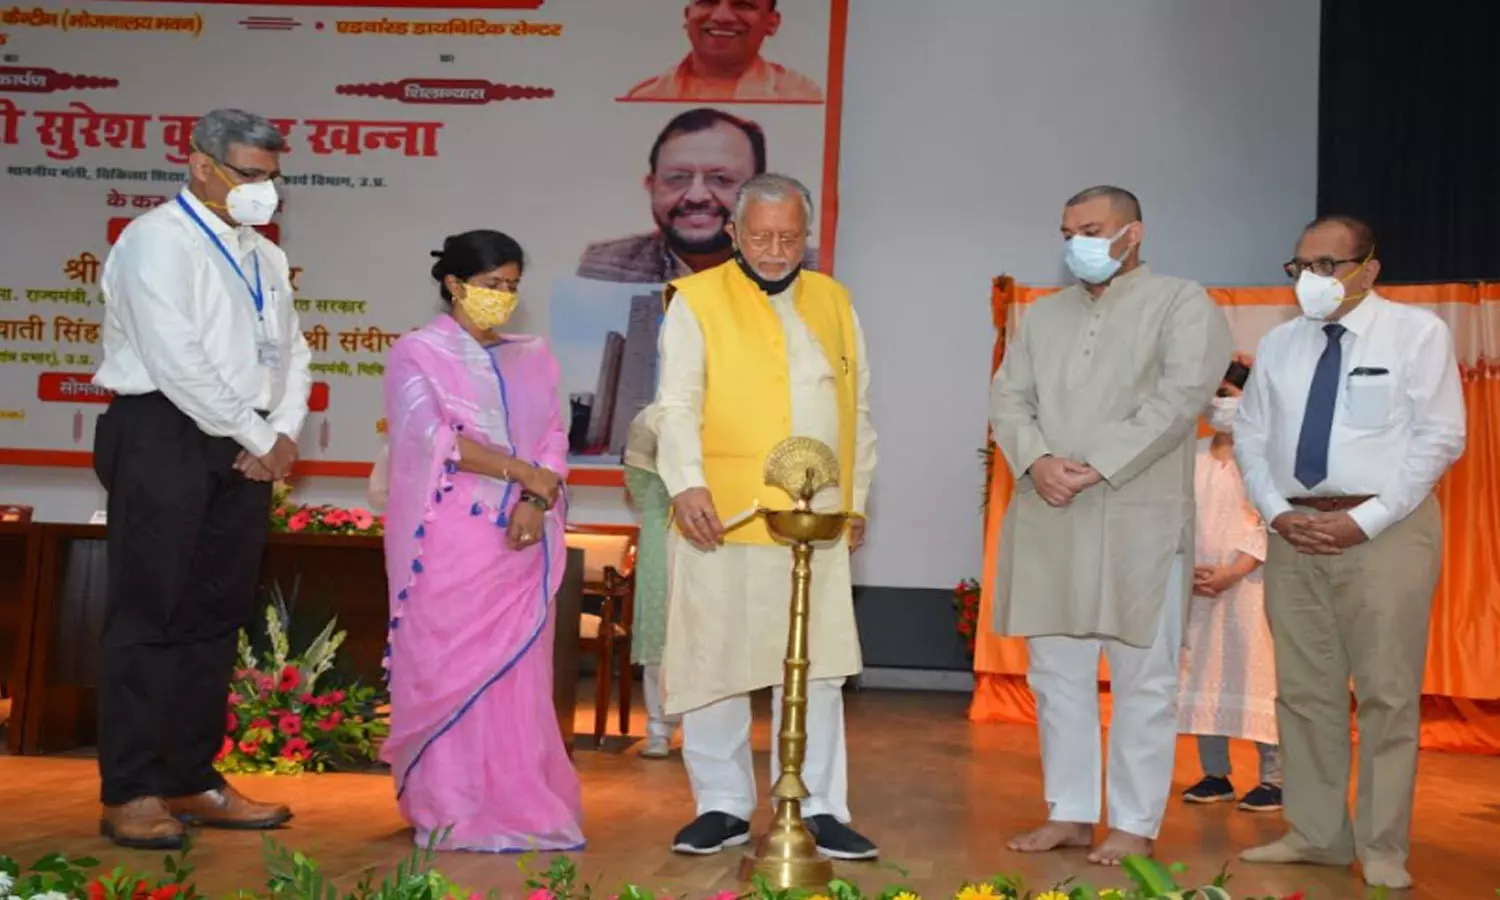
(474, 745)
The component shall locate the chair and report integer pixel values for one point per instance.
(609, 574)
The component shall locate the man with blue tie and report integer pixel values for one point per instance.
(1352, 413)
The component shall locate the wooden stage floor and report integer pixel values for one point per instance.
(938, 793)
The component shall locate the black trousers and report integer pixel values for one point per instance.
(186, 535)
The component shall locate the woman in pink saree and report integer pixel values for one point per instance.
(474, 553)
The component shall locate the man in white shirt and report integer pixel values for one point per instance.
(1352, 414)
(204, 353)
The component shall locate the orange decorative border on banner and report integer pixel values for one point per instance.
(378, 4)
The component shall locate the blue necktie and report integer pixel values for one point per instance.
(1317, 420)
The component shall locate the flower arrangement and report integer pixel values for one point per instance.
(56, 877)
(284, 718)
(294, 876)
(966, 604)
(309, 519)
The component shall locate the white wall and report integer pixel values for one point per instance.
(966, 124)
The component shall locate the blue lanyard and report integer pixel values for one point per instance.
(256, 292)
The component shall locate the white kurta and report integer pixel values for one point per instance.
(727, 608)
(1228, 664)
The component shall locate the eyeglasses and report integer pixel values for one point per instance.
(252, 176)
(683, 179)
(765, 240)
(1323, 265)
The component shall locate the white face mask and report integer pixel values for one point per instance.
(1319, 295)
(1221, 414)
(1089, 259)
(252, 204)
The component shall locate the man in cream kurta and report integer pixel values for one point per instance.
(728, 602)
(1095, 408)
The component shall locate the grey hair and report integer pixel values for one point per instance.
(772, 188)
(1123, 201)
(216, 132)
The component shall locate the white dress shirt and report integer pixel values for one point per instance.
(178, 319)
(1394, 432)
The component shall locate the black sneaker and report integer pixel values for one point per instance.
(710, 833)
(1264, 798)
(1212, 789)
(838, 841)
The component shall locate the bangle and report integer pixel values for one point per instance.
(536, 500)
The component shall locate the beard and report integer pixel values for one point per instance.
(718, 242)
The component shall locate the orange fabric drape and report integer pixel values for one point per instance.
(1461, 702)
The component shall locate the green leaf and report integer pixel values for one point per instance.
(1149, 875)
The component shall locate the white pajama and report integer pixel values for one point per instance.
(716, 751)
(1064, 675)
(658, 724)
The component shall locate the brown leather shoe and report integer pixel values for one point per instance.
(144, 823)
(226, 807)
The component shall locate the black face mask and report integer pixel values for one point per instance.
(770, 287)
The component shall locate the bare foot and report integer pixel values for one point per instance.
(1053, 836)
(1118, 845)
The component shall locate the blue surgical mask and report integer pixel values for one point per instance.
(1089, 259)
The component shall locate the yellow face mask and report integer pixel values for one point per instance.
(486, 307)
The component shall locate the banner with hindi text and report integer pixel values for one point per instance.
(407, 122)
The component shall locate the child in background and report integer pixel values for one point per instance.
(1228, 684)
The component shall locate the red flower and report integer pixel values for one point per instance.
(96, 890)
(361, 518)
(308, 699)
(299, 522)
(249, 747)
(336, 697)
(266, 684)
(296, 749)
(335, 517)
(232, 722)
(235, 699)
(332, 721)
(165, 892)
(291, 725)
(290, 678)
(1297, 896)
(261, 724)
(225, 750)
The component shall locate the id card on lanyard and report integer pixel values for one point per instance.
(267, 353)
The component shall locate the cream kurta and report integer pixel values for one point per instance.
(1119, 383)
(727, 609)
(1228, 683)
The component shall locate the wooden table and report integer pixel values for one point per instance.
(20, 564)
(334, 575)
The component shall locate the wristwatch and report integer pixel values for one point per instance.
(536, 500)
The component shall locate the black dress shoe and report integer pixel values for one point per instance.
(710, 833)
(838, 841)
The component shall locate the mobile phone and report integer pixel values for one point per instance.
(1238, 374)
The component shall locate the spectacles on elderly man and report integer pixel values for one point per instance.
(1323, 265)
(765, 240)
